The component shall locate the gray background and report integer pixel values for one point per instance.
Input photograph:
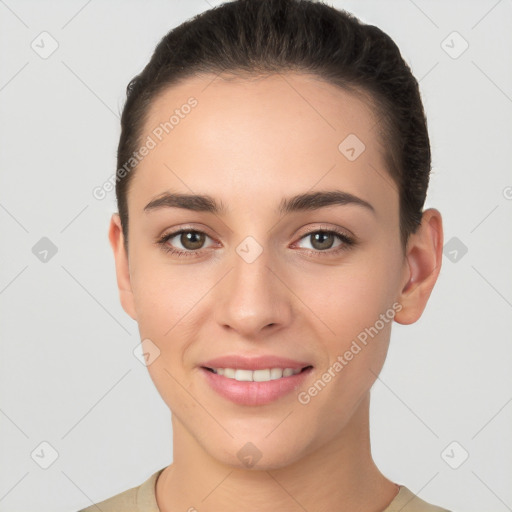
(68, 375)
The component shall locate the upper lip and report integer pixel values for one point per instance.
(254, 363)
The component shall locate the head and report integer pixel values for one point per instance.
(262, 105)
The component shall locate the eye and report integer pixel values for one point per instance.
(191, 241)
(323, 240)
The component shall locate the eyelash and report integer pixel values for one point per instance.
(347, 243)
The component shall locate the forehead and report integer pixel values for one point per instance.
(268, 102)
(267, 133)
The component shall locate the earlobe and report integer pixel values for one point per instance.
(116, 238)
(423, 260)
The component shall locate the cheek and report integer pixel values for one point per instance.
(165, 297)
(167, 301)
(349, 298)
(359, 313)
(355, 301)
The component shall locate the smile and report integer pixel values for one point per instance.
(263, 375)
(259, 387)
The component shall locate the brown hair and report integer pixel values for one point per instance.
(258, 37)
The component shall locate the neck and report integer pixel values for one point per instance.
(339, 475)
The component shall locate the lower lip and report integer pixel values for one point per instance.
(254, 393)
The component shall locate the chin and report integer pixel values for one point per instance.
(256, 453)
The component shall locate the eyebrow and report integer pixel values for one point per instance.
(302, 202)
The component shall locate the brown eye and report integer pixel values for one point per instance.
(322, 240)
(325, 242)
(192, 240)
(185, 242)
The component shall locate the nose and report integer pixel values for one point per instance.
(252, 299)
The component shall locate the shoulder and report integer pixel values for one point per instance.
(141, 498)
(123, 502)
(407, 501)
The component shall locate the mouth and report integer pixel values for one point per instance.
(255, 387)
(260, 375)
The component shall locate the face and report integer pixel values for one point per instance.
(311, 284)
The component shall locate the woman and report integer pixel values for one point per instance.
(272, 170)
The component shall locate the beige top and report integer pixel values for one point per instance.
(143, 499)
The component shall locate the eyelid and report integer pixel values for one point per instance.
(335, 229)
(179, 229)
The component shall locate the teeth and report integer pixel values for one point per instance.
(276, 373)
(244, 375)
(256, 375)
(228, 372)
(261, 375)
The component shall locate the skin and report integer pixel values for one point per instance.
(251, 143)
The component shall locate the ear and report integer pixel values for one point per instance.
(423, 263)
(115, 235)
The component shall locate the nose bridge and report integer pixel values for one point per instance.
(251, 296)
